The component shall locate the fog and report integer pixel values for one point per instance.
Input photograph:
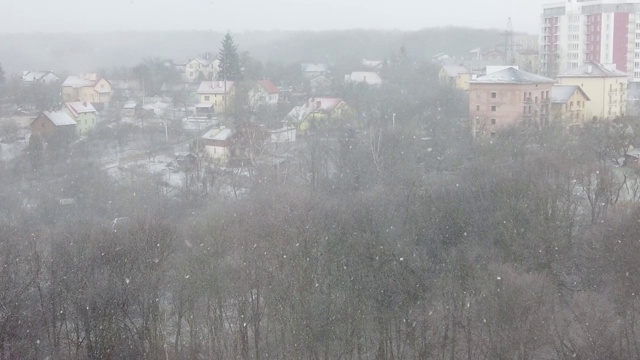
(241, 15)
(367, 183)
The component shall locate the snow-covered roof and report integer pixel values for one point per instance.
(366, 77)
(79, 107)
(78, 82)
(215, 87)
(35, 76)
(560, 94)
(130, 105)
(59, 118)
(455, 70)
(219, 134)
(324, 105)
(592, 69)
(314, 67)
(512, 76)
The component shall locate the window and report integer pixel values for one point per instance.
(493, 108)
(493, 121)
(494, 95)
(207, 98)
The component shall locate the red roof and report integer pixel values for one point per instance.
(268, 86)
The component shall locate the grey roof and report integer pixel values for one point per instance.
(512, 76)
(560, 94)
(455, 70)
(59, 118)
(592, 69)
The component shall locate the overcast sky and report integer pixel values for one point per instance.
(240, 15)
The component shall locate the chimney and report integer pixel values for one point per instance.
(589, 69)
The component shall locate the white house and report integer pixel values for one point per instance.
(217, 143)
(283, 135)
(264, 93)
(39, 77)
(363, 77)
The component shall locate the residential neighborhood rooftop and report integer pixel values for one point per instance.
(215, 87)
(512, 76)
(593, 69)
(560, 94)
(59, 118)
(79, 107)
(219, 134)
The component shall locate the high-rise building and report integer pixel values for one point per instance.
(578, 31)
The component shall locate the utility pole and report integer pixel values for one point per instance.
(509, 44)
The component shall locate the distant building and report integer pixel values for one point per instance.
(568, 103)
(127, 89)
(317, 112)
(51, 124)
(320, 86)
(601, 31)
(83, 113)
(217, 144)
(286, 134)
(201, 68)
(363, 77)
(39, 77)
(507, 98)
(373, 65)
(215, 96)
(603, 84)
(455, 76)
(87, 88)
(264, 93)
(311, 71)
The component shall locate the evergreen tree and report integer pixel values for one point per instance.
(2, 79)
(229, 60)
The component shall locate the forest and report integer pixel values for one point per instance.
(408, 240)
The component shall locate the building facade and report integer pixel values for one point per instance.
(508, 98)
(579, 31)
(604, 85)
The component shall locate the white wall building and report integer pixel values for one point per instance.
(602, 31)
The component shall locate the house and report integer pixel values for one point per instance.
(363, 77)
(215, 96)
(178, 89)
(311, 71)
(605, 86)
(264, 93)
(201, 68)
(317, 112)
(127, 89)
(50, 124)
(456, 76)
(507, 98)
(568, 102)
(131, 110)
(39, 77)
(87, 88)
(286, 134)
(217, 144)
(83, 113)
(320, 85)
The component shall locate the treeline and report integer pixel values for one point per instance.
(405, 242)
(75, 53)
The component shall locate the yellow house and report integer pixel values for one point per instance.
(568, 103)
(201, 69)
(88, 88)
(317, 112)
(604, 85)
(456, 76)
(83, 113)
(215, 96)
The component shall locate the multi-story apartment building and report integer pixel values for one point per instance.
(578, 31)
(508, 98)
